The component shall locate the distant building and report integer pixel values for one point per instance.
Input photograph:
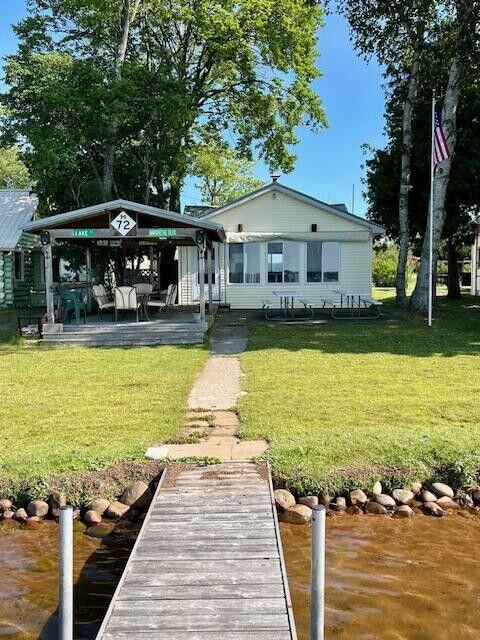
(19, 262)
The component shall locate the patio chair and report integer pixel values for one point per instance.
(126, 300)
(169, 300)
(71, 300)
(103, 300)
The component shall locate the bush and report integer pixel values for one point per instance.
(385, 262)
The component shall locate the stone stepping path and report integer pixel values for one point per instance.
(211, 417)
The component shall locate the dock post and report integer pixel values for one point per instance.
(317, 597)
(65, 618)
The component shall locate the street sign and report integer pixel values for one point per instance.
(84, 233)
(162, 233)
(123, 223)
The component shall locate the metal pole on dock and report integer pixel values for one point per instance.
(65, 618)
(317, 595)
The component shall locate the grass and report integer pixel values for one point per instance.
(72, 410)
(345, 403)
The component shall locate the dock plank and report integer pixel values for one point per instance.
(208, 563)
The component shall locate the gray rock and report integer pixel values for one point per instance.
(298, 514)
(377, 488)
(5, 504)
(357, 496)
(464, 499)
(440, 489)
(385, 500)
(309, 501)
(8, 514)
(116, 510)
(354, 510)
(416, 487)
(138, 494)
(33, 521)
(100, 505)
(375, 508)
(447, 503)
(403, 511)
(21, 515)
(92, 517)
(339, 504)
(325, 499)
(403, 496)
(476, 496)
(432, 509)
(38, 508)
(284, 499)
(428, 496)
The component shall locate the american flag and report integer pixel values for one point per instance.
(441, 149)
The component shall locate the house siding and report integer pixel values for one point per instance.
(287, 215)
(17, 293)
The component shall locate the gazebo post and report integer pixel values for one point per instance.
(209, 276)
(88, 264)
(47, 255)
(201, 275)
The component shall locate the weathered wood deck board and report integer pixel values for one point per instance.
(208, 563)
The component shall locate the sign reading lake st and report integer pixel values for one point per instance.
(123, 223)
(162, 233)
(84, 233)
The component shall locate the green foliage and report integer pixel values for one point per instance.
(13, 172)
(343, 404)
(246, 67)
(226, 174)
(384, 266)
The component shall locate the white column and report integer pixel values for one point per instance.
(88, 264)
(209, 276)
(47, 254)
(201, 275)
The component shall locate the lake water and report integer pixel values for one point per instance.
(387, 579)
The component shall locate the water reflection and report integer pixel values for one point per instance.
(29, 569)
(390, 579)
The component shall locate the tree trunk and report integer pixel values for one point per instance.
(128, 14)
(403, 209)
(419, 299)
(174, 204)
(453, 279)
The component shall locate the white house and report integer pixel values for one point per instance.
(277, 238)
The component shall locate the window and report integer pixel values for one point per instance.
(323, 261)
(19, 266)
(283, 262)
(244, 263)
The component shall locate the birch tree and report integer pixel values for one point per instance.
(464, 49)
(394, 31)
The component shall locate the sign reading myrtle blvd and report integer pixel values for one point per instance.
(162, 233)
(84, 233)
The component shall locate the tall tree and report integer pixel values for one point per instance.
(394, 31)
(108, 94)
(466, 27)
(13, 172)
(225, 174)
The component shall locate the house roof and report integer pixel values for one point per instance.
(17, 207)
(197, 211)
(87, 212)
(336, 209)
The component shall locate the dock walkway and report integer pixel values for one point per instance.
(208, 562)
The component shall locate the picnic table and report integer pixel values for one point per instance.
(352, 300)
(287, 299)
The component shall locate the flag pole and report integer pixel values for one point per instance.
(432, 185)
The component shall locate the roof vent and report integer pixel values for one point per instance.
(274, 177)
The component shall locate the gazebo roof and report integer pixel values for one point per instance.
(97, 216)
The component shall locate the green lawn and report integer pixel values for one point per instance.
(66, 410)
(342, 403)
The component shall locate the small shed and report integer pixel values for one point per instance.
(17, 208)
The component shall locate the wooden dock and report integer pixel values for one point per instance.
(208, 562)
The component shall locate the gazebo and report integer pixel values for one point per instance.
(121, 223)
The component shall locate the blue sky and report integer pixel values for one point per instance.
(330, 162)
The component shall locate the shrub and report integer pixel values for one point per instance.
(385, 262)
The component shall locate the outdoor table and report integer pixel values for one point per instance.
(287, 299)
(350, 298)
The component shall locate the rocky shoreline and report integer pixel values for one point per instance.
(436, 500)
(132, 504)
